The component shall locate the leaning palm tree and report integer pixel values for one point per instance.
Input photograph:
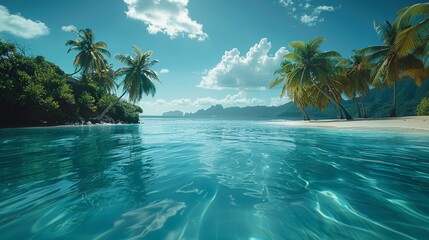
(311, 67)
(90, 58)
(295, 92)
(138, 78)
(357, 73)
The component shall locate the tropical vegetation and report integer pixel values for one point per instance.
(308, 70)
(34, 91)
(138, 77)
(403, 55)
(423, 107)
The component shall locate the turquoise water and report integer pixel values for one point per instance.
(212, 179)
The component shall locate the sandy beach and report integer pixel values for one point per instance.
(414, 123)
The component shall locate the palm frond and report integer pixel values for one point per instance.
(291, 56)
(315, 43)
(276, 82)
(384, 32)
(329, 54)
(297, 44)
(407, 15)
(409, 39)
(377, 56)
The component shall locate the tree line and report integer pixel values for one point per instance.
(34, 91)
(314, 78)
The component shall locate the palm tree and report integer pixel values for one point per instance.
(357, 73)
(138, 77)
(106, 81)
(391, 66)
(90, 58)
(296, 93)
(414, 23)
(311, 68)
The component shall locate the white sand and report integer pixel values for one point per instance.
(420, 123)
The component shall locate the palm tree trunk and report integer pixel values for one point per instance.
(362, 100)
(393, 112)
(347, 115)
(358, 108)
(108, 108)
(304, 113)
(340, 114)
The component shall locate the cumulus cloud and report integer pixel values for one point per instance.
(20, 26)
(164, 70)
(170, 17)
(68, 28)
(305, 12)
(254, 70)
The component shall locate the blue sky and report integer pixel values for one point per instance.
(210, 51)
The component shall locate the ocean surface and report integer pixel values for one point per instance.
(212, 179)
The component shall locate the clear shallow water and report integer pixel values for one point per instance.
(208, 179)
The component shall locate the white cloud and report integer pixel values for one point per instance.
(309, 20)
(314, 17)
(159, 106)
(305, 12)
(170, 17)
(239, 99)
(164, 70)
(254, 70)
(20, 26)
(68, 28)
(182, 102)
(324, 8)
(286, 2)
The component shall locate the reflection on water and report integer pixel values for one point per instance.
(206, 179)
(57, 179)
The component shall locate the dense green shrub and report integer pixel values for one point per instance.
(122, 111)
(31, 89)
(423, 107)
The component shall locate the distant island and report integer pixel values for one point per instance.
(377, 102)
(173, 114)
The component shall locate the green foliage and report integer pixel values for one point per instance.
(423, 107)
(86, 103)
(138, 79)
(90, 57)
(35, 91)
(138, 74)
(310, 76)
(126, 112)
(122, 111)
(31, 89)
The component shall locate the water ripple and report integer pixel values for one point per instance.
(212, 179)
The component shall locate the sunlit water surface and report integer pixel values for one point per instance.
(212, 179)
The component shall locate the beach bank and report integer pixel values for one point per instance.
(415, 123)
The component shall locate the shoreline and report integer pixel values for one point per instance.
(64, 125)
(413, 123)
(408, 123)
